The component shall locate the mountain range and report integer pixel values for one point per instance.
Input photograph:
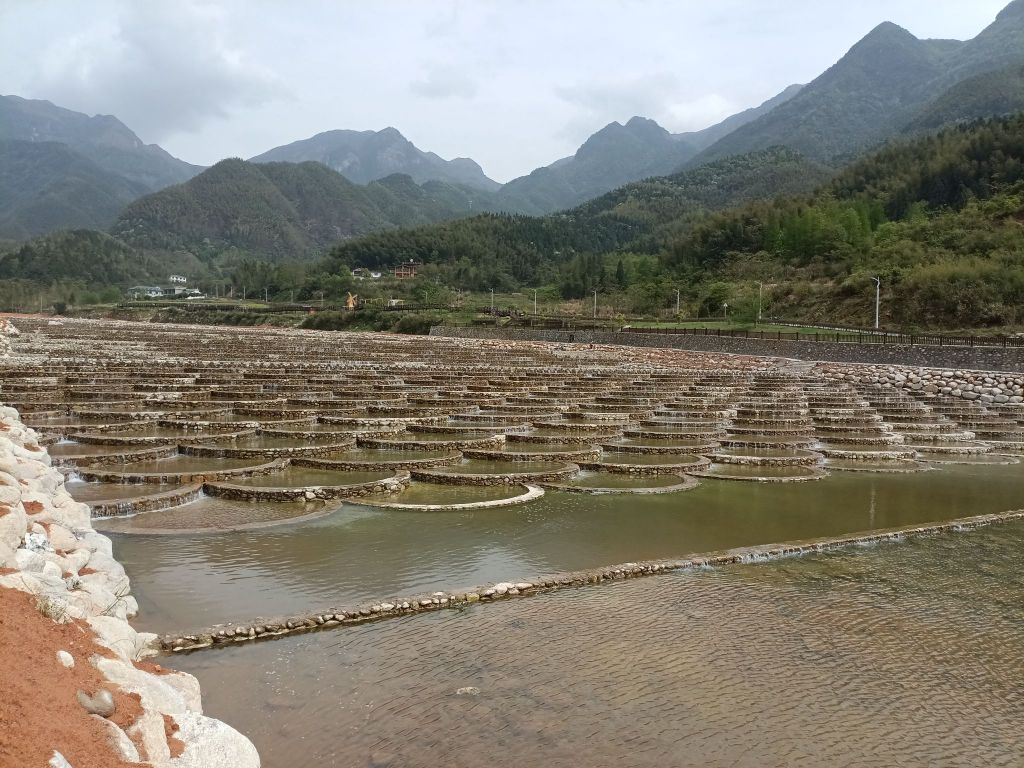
(61, 169)
(889, 82)
(617, 155)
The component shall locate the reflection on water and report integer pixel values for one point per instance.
(905, 654)
(92, 492)
(210, 513)
(360, 553)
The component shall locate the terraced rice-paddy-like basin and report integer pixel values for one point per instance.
(212, 515)
(483, 411)
(92, 492)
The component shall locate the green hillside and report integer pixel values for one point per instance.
(940, 220)
(887, 81)
(46, 186)
(279, 211)
(91, 257)
(991, 94)
(505, 250)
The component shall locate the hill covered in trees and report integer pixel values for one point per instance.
(939, 219)
(63, 169)
(890, 79)
(503, 251)
(280, 211)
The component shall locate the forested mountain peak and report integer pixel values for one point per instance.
(60, 168)
(879, 87)
(280, 211)
(1015, 10)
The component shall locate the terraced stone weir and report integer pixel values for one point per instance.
(276, 495)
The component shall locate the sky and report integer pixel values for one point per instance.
(513, 84)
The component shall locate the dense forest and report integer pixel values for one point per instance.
(505, 251)
(280, 211)
(939, 219)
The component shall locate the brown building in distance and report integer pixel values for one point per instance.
(407, 269)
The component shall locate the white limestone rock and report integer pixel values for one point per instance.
(13, 522)
(211, 744)
(119, 636)
(123, 745)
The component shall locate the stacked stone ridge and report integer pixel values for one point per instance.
(49, 549)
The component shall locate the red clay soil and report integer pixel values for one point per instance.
(152, 668)
(176, 745)
(39, 710)
(32, 507)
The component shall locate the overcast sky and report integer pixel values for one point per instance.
(514, 84)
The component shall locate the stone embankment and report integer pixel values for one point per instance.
(980, 357)
(75, 597)
(986, 387)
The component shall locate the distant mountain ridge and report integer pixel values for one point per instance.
(365, 156)
(882, 85)
(102, 138)
(63, 169)
(616, 155)
(280, 211)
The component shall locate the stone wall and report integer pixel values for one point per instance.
(986, 387)
(384, 486)
(973, 358)
(498, 478)
(49, 549)
(151, 503)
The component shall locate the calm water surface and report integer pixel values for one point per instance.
(908, 654)
(361, 553)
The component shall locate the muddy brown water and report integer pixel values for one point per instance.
(362, 554)
(907, 654)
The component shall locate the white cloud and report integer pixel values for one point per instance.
(162, 69)
(698, 113)
(444, 82)
(596, 103)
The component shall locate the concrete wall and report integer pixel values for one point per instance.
(972, 358)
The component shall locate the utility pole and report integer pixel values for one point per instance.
(535, 301)
(595, 303)
(878, 298)
(677, 301)
(266, 295)
(760, 290)
(492, 301)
